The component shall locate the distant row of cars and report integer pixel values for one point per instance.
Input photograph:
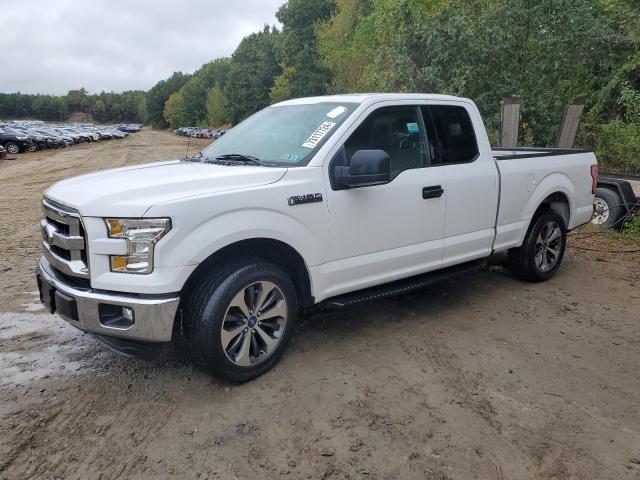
(29, 136)
(196, 132)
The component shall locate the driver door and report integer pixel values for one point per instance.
(385, 232)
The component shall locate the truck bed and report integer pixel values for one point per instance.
(541, 174)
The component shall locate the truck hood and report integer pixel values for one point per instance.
(131, 191)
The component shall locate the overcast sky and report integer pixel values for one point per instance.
(53, 46)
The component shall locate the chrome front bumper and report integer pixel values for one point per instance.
(89, 310)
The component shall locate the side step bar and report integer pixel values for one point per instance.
(405, 285)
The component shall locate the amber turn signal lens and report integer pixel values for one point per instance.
(115, 227)
(118, 263)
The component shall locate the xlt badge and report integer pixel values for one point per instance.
(307, 198)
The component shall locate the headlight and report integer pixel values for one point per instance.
(22, 138)
(141, 235)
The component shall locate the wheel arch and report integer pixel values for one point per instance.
(554, 192)
(557, 201)
(276, 251)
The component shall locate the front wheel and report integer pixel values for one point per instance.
(541, 253)
(32, 147)
(240, 319)
(12, 147)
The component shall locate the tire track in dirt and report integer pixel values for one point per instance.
(28, 442)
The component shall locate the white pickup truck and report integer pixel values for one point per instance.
(331, 200)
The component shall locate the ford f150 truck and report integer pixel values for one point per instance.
(330, 200)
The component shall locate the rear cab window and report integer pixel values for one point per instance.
(455, 136)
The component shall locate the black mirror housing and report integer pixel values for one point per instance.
(367, 168)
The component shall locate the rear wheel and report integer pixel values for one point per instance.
(541, 253)
(607, 209)
(239, 320)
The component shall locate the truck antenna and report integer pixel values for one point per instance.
(186, 155)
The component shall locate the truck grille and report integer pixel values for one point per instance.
(63, 239)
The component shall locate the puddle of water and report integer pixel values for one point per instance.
(32, 307)
(34, 346)
(15, 324)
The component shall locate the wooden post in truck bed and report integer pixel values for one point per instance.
(509, 121)
(569, 125)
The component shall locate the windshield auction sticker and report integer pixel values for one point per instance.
(318, 135)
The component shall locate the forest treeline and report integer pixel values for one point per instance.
(549, 52)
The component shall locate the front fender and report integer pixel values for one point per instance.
(203, 225)
(234, 226)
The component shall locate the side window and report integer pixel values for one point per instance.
(396, 130)
(455, 134)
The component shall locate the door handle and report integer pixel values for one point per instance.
(433, 191)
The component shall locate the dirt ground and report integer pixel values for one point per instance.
(486, 377)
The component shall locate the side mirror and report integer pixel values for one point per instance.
(367, 168)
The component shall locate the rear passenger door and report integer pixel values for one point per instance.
(471, 181)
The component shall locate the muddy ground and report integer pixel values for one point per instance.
(484, 377)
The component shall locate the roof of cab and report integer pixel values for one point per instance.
(365, 97)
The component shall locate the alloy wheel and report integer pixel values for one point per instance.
(548, 246)
(254, 324)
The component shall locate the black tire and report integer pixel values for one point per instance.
(205, 310)
(32, 147)
(12, 147)
(608, 208)
(526, 261)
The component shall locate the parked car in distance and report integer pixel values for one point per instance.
(31, 135)
(185, 131)
(200, 132)
(58, 139)
(14, 142)
(329, 201)
(39, 141)
(129, 128)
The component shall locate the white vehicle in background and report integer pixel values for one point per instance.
(328, 200)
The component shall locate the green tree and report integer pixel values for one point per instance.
(195, 90)
(216, 107)
(142, 108)
(48, 107)
(77, 100)
(549, 52)
(281, 89)
(99, 111)
(158, 95)
(104, 107)
(173, 111)
(304, 73)
(253, 67)
(345, 57)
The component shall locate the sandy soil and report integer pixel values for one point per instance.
(484, 377)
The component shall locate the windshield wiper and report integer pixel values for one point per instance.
(195, 158)
(239, 157)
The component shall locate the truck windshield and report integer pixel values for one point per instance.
(281, 135)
